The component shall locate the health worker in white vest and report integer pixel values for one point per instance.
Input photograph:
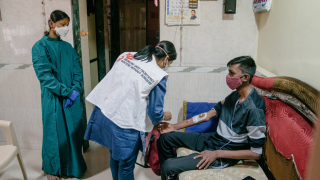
(129, 102)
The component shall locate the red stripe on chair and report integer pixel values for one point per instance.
(263, 83)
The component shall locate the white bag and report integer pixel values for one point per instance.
(261, 5)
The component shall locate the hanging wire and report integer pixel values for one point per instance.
(181, 29)
(181, 32)
(221, 167)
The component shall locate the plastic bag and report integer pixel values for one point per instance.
(261, 5)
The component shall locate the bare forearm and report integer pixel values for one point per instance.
(241, 154)
(189, 122)
(185, 124)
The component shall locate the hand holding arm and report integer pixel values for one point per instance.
(172, 127)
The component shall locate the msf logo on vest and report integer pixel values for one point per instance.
(128, 56)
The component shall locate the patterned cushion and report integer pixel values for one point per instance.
(292, 101)
(305, 93)
(237, 172)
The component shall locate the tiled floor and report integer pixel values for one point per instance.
(97, 159)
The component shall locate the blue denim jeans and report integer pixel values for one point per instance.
(123, 169)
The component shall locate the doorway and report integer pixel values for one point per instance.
(153, 23)
(98, 39)
(134, 24)
(139, 27)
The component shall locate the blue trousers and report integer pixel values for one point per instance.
(123, 144)
(123, 169)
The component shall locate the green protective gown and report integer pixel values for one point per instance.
(57, 67)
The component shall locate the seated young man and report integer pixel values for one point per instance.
(240, 133)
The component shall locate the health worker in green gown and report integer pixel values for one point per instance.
(57, 67)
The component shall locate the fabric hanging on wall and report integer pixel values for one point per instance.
(90, 7)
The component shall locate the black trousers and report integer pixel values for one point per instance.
(171, 166)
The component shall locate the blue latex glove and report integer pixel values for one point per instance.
(71, 99)
(68, 103)
(74, 96)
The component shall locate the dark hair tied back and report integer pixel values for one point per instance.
(146, 53)
(56, 16)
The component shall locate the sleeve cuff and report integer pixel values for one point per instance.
(257, 150)
(215, 111)
(70, 93)
(156, 122)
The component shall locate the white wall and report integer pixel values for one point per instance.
(217, 40)
(20, 99)
(289, 40)
(23, 24)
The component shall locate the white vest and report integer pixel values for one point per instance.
(123, 93)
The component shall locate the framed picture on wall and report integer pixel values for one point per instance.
(183, 11)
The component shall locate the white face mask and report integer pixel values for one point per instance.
(62, 31)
